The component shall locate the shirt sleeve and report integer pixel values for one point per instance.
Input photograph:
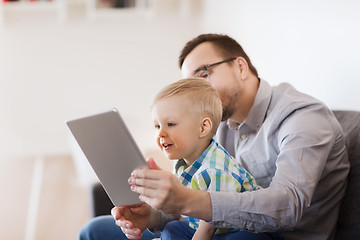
(305, 144)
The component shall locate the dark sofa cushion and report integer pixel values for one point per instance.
(349, 219)
(99, 201)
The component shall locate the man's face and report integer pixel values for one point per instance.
(223, 77)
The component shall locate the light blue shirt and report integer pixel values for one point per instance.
(295, 148)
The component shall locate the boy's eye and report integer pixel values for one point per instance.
(157, 126)
(170, 124)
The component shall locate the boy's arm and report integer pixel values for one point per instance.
(204, 231)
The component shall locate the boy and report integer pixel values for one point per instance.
(186, 115)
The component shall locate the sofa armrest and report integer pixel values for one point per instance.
(349, 215)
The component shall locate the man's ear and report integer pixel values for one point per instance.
(206, 127)
(243, 67)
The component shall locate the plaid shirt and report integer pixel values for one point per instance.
(215, 170)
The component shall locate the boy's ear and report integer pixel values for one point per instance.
(206, 127)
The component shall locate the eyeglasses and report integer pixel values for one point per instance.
(204, 71)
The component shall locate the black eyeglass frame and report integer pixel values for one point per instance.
(206, 67)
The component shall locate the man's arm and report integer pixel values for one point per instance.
(163, 191)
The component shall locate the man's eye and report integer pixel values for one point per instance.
(203, 74)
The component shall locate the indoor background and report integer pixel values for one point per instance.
(66, 58)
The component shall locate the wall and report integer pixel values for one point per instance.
(50, 72)
(312, 44)
(53, 71)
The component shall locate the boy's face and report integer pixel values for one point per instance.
(177, 128)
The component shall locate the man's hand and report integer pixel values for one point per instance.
(158, 188)
(133, 220)
(163, 191)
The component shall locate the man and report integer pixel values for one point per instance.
(290, 142)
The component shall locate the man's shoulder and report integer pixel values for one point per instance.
(286, 100)
(293, 111)
(285, 95)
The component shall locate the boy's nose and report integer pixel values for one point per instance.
(161, 133)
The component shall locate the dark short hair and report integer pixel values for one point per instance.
(226, 46)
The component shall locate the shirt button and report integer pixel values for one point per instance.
(243, 136)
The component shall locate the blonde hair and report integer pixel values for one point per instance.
(202, 95)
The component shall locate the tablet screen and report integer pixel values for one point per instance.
(111, 152)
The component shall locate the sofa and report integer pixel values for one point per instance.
(348, 226)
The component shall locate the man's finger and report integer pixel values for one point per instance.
(147, 173)
(144, 182)
(151, 201)
(144, 191)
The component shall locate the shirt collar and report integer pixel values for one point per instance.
(259, 109)
(189, 172)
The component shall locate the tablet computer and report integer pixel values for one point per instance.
(111, 152)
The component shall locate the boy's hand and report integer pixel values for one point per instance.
(133, 220)
(204, 231)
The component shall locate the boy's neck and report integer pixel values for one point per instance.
(203, 145)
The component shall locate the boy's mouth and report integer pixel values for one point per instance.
(166, 146)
